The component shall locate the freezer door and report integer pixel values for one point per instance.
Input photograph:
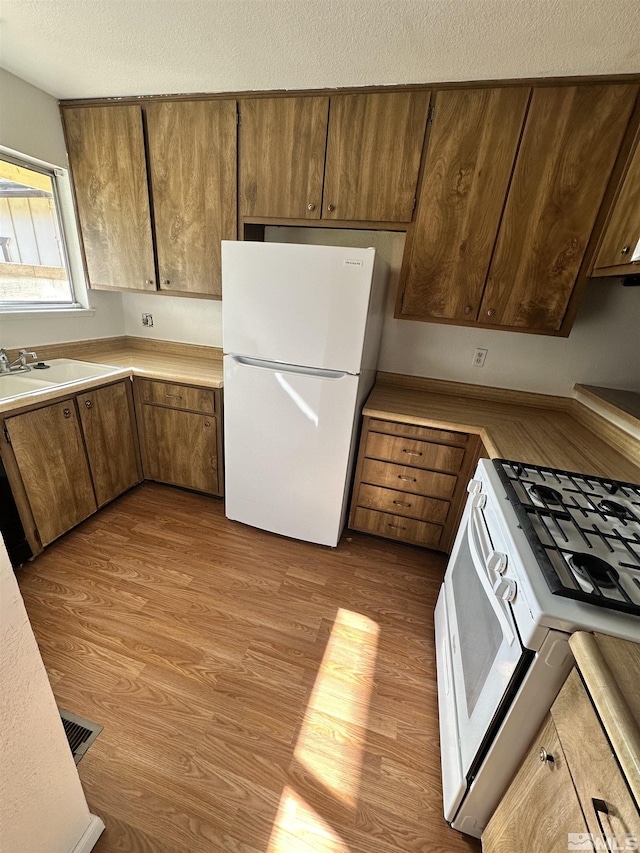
(288, 433)
(296, 304)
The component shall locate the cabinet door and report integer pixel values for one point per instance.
(181, 448)
(470, 157)
(192, 160)
(282, 146)
(569, 146)
(540, 807)
(108, 164)
(111, 441)
(48, 447)
(622, 234)
(373, 156)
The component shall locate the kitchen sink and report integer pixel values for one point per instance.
(61, 372)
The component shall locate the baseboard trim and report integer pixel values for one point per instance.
(89, 837)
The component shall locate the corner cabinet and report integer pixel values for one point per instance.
(621, 238)
(180, 435)
(71, 457)
(155, 190)
(513, 182)
(345, 157)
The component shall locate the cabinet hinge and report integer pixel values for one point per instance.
(238, 118)
(415, 201)
(7, 437)
(430, 114)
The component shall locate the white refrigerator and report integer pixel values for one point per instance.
(301, 331)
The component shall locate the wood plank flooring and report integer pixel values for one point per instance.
(258, 695)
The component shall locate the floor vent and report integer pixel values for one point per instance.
(80, 733)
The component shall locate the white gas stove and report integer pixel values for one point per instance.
(540, 553)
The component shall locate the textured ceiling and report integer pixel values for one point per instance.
(85, 48)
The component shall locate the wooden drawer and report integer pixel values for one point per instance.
(405, 479)
(423, 433)
(400, 503)
(594, 768)
(177, 396)
(396, 527)
(419, 454)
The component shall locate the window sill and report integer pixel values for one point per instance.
(28, 313)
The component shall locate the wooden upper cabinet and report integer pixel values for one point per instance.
(469, 161)
(49, 450)
(107, 157)
(106, 415)
(192, 162)
(622, 233)
(281, 147)
(373, 155)
(570, 143)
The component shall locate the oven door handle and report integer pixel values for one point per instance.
(479, 562)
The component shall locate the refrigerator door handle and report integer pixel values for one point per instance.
(279, 367)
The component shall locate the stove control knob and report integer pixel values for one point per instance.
(505, 589)
(497, 562)
(479, 501)
(474, 487)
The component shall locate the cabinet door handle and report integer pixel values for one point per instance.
(331, 208)
(600, 807)
(545, 757)
(174, 396)
(88, 404)
(311, 206)
(412, 452)
(148, 281)
(625, 250)
(407, 479)
(396, 526)
(66, 413)
(403, 503)
(206, 423)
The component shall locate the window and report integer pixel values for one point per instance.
(34, 272)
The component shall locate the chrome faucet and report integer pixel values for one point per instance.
(18, 365)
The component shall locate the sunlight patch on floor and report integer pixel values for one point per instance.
(341, 694)
(299, 829)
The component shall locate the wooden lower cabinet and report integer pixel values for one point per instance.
(410, 482)
(73, 457)
(180, 435)
(570, 794)
(541, 806)
(49, 450)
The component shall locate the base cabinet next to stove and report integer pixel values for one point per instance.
(410, 482)
(569, 786)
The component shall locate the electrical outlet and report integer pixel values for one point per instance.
(479, 357)
(147, 319)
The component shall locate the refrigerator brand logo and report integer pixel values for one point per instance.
(351, 263)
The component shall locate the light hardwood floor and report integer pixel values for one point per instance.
(258, 695)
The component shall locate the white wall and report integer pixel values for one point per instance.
(175, 318)
(30, 125)
(42, 805)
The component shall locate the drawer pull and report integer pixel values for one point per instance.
(403, 503)
(66, 413)
(412, 452)
(545, 757)
(174, 396)
(600, 807)
(407, 479)
(397, 526)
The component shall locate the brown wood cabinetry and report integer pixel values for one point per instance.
(189, 149)
(180, 435)
(373, 145)
(106, 153)
(574, 786)
(108, 426)
(622, 233)
(410, 482)
(508, 203)
(73, 457)
(48, 447)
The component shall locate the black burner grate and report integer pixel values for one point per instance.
(589, 514)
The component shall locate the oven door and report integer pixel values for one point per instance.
(487, 658)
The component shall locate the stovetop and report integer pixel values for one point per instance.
(584, 531)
